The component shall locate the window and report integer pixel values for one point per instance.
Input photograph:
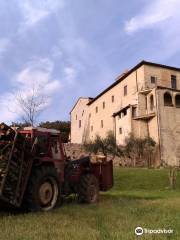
(90, 115)
(153, 79)
(55, 147)
(76, 116)
(91, 128)
(42, 145)
(151, 102)
(146, 102)
(96, 109)
(112, 98)
(79, 123)
(124, 113)
(125, 90)
(134, 112)
(82, 113)
(103, 105)
(120, 130)
(173, 81)
(102, 124)
(167, 99)
(177, 100)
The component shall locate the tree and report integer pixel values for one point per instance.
(62, 126)
(31, 104)
(136, 149)
(106, 145)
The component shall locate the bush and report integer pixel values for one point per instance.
(136, 149)
(106, 145)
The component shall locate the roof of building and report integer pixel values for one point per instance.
(123, 76)
(167, 88)
(90, 98)
(121, 110)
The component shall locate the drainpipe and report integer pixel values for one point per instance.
(70, 128)
(115, 128)
(136, 82)
(114, 123)
(158, 122)
(137, 89)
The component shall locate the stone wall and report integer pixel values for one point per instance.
(75, 151)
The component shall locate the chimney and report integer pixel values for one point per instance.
(122, 74)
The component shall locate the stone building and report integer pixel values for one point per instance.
(145, 101)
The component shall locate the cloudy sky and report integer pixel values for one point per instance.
(77, 48)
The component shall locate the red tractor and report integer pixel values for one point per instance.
(36, 173)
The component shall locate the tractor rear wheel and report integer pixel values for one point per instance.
(43, 191)
(89, 189)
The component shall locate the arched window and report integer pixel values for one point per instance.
(177, 100)
(151, 102)
(167, 99)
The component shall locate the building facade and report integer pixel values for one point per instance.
(144, 101)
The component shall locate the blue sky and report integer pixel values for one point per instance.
(77, 48)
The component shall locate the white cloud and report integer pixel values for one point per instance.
(70, 75)
(37, 73)
(4, 44)
(155, 12)
(163, 17)
(6, 103)
(33, 15)
(56, 52)
(34, 11)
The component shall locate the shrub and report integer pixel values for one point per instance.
(106, 145)
(136, 149)
(139, 149)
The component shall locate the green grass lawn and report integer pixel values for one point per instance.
(140, 197)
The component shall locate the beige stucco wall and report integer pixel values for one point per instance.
(163, 76)
(79, 113)
(120, 101)
(161, 123)
(169, 117)
(123, 122)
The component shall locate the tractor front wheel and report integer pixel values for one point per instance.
(43, 192)
(89, 189)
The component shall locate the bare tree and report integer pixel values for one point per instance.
(31, 104)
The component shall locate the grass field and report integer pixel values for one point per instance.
(140, 197)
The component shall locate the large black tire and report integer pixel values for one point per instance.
(43, 191)
(88, 189)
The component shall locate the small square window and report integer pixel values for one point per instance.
(102, 124)
(112, 98)
(124, 113)
(134, 112)
(153, 79)
(146, 102)
(120, 130)
(173, 81)
(125, 90)
(104, 105)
